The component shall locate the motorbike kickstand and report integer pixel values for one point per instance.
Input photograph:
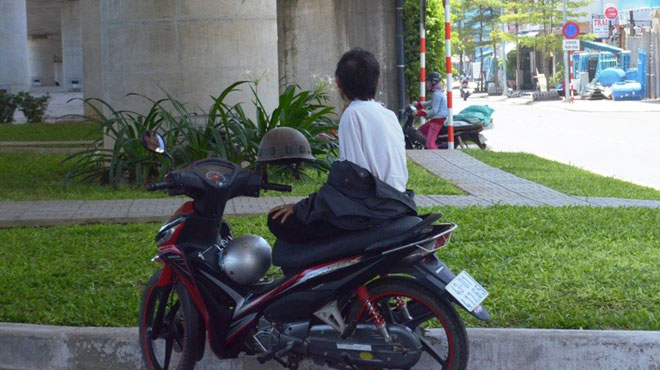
(277, 356)
(289, 364)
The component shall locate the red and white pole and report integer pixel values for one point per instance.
(450, 119)
(570, 79)
(422, 51)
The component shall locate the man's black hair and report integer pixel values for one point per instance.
(358, 72)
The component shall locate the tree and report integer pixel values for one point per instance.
(517, 14)
(549, 15)
(435, 41)
(483, 17)
(462, 31)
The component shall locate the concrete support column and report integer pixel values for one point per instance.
(13, 46)
(72, 54)
(91, 32)
(42, 52)
(313, 34)
(191, 49)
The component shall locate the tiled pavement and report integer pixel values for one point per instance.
(488, 184)
(484, 185)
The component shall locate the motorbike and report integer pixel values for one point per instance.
(465, 90)
(463, 133)
(362, 300)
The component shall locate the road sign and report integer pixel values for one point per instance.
(571, 45)
(611, 12)
(570, 30)
(600, 27)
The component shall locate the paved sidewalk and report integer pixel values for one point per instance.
(484, 185)
(25, 346)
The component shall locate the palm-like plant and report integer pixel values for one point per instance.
(224, 131)
(307, 112)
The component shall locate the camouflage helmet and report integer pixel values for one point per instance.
(284, 145)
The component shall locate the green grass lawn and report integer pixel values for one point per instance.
(29, 176)
(65, 131)
(567, 179)
(570, 267)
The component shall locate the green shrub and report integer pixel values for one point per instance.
(32, 107)
(307, 112)
(556, 78)
(7, 107)
(223, 131)
(435, 42)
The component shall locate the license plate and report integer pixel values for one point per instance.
(467, 291)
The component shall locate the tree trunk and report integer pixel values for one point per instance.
(518, 82)
(460, 62)
(481, 50)
(495, 63)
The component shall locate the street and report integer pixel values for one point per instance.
(611, 138)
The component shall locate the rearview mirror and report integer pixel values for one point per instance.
(153, 142)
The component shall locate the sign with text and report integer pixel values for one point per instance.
(611, 12)
(571, 45)
(600, 27)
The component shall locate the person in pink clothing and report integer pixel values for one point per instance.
(437, 114)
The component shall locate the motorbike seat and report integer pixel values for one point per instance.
(296, 256)
(463, 128)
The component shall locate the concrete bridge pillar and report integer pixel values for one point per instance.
(72, 55)
(13, 46)
(313, 34)
(191, 49)
(42, 51)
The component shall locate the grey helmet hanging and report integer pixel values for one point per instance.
(246, 259)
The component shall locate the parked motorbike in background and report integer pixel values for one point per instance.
(463, 133)
(362, 300)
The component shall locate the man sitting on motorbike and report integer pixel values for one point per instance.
(367, 186)
(438, 112)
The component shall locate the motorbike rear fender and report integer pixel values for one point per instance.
(434, 274)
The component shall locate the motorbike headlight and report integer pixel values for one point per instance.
(167, 231)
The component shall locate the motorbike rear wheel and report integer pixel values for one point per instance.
(424, 310)
(170, 327)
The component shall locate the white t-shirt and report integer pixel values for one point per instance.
(371, 137)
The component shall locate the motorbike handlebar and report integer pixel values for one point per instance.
(157, 186)
(276, 187)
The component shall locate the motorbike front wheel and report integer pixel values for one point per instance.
(403, 301)
(171, 330)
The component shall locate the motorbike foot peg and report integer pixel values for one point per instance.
(285, 350)
(277, 356)
(263, 358)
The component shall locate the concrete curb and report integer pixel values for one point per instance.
(25, 346)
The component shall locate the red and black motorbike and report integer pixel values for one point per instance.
(362, 300)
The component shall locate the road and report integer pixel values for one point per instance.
(618, 139)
